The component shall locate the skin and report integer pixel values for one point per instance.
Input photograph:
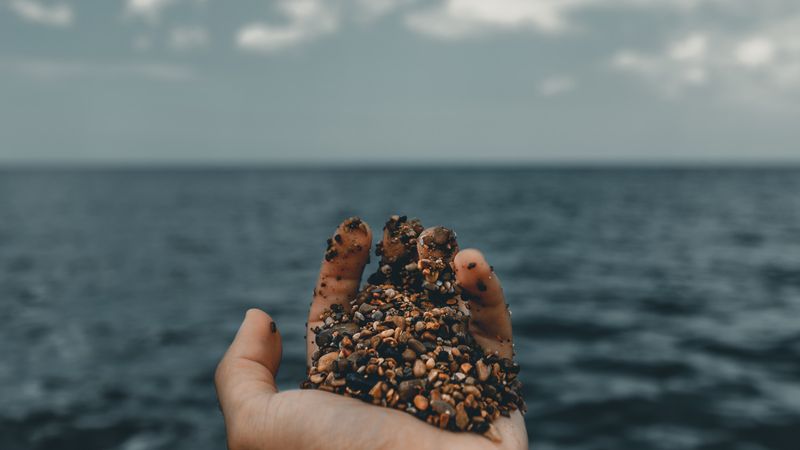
(258, 417)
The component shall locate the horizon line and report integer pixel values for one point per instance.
(388, 165)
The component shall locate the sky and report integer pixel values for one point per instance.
(399, 81)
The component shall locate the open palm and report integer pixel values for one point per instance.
(257, 416)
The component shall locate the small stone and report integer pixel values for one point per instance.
(416, 345)
(325, 362)
(442, 407)
(420, 402)
(443, 420)
(366, 308)
(409, 355)
(419, 368)
(483, 370)
(376, 391)
(386, 333)
(317, 378)
(472, 390)
(407, 389)
(462, 420)
(466, 367)
(492, 434)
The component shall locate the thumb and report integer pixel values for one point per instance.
(249, 366)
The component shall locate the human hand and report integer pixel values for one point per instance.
(257, 416)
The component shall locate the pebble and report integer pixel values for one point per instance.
(483, 370)
(325, 362)
(419, 369)
(442, 407)
(416, 345)
(317, 378)
(407, 389)
(366, 308)
(462, 420)
(420, 402)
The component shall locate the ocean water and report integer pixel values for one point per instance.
(653, 309)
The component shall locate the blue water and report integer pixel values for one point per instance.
(653, 309)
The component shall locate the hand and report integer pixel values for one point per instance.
(257, 416)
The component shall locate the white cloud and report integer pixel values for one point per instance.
(459, 19)
(148, 10)
(306, 20)
(455, 19)
(57, 70)
(186, 38)
(57, 15)
(681, 65)
(755, 52)
(556, 85)
(692, 48)
(761, 64)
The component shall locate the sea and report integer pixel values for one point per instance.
(653, 308)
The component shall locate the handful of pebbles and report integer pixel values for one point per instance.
(404, 342)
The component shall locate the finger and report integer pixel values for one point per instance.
(340, 274)
(399, 242)
(251, 363)
(490, 321)
(437, 243)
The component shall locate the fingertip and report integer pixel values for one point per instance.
(351, 241)
(476, 276)
(437, 243)
(258, 339)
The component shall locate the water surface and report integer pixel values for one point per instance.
(653, 309)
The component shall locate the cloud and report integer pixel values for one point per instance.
(148, 10)
(692, 48)
(455, 19)
(757, 65)
(56, 70)
(460, 19)
(186, 38)
(556, 85)
(681, 65)
(306, 20)
(56, 15)
(755, 52)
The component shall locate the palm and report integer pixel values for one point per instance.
(259, 417)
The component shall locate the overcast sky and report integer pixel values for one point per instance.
(399, 80)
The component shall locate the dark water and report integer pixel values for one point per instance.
(652, 309)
